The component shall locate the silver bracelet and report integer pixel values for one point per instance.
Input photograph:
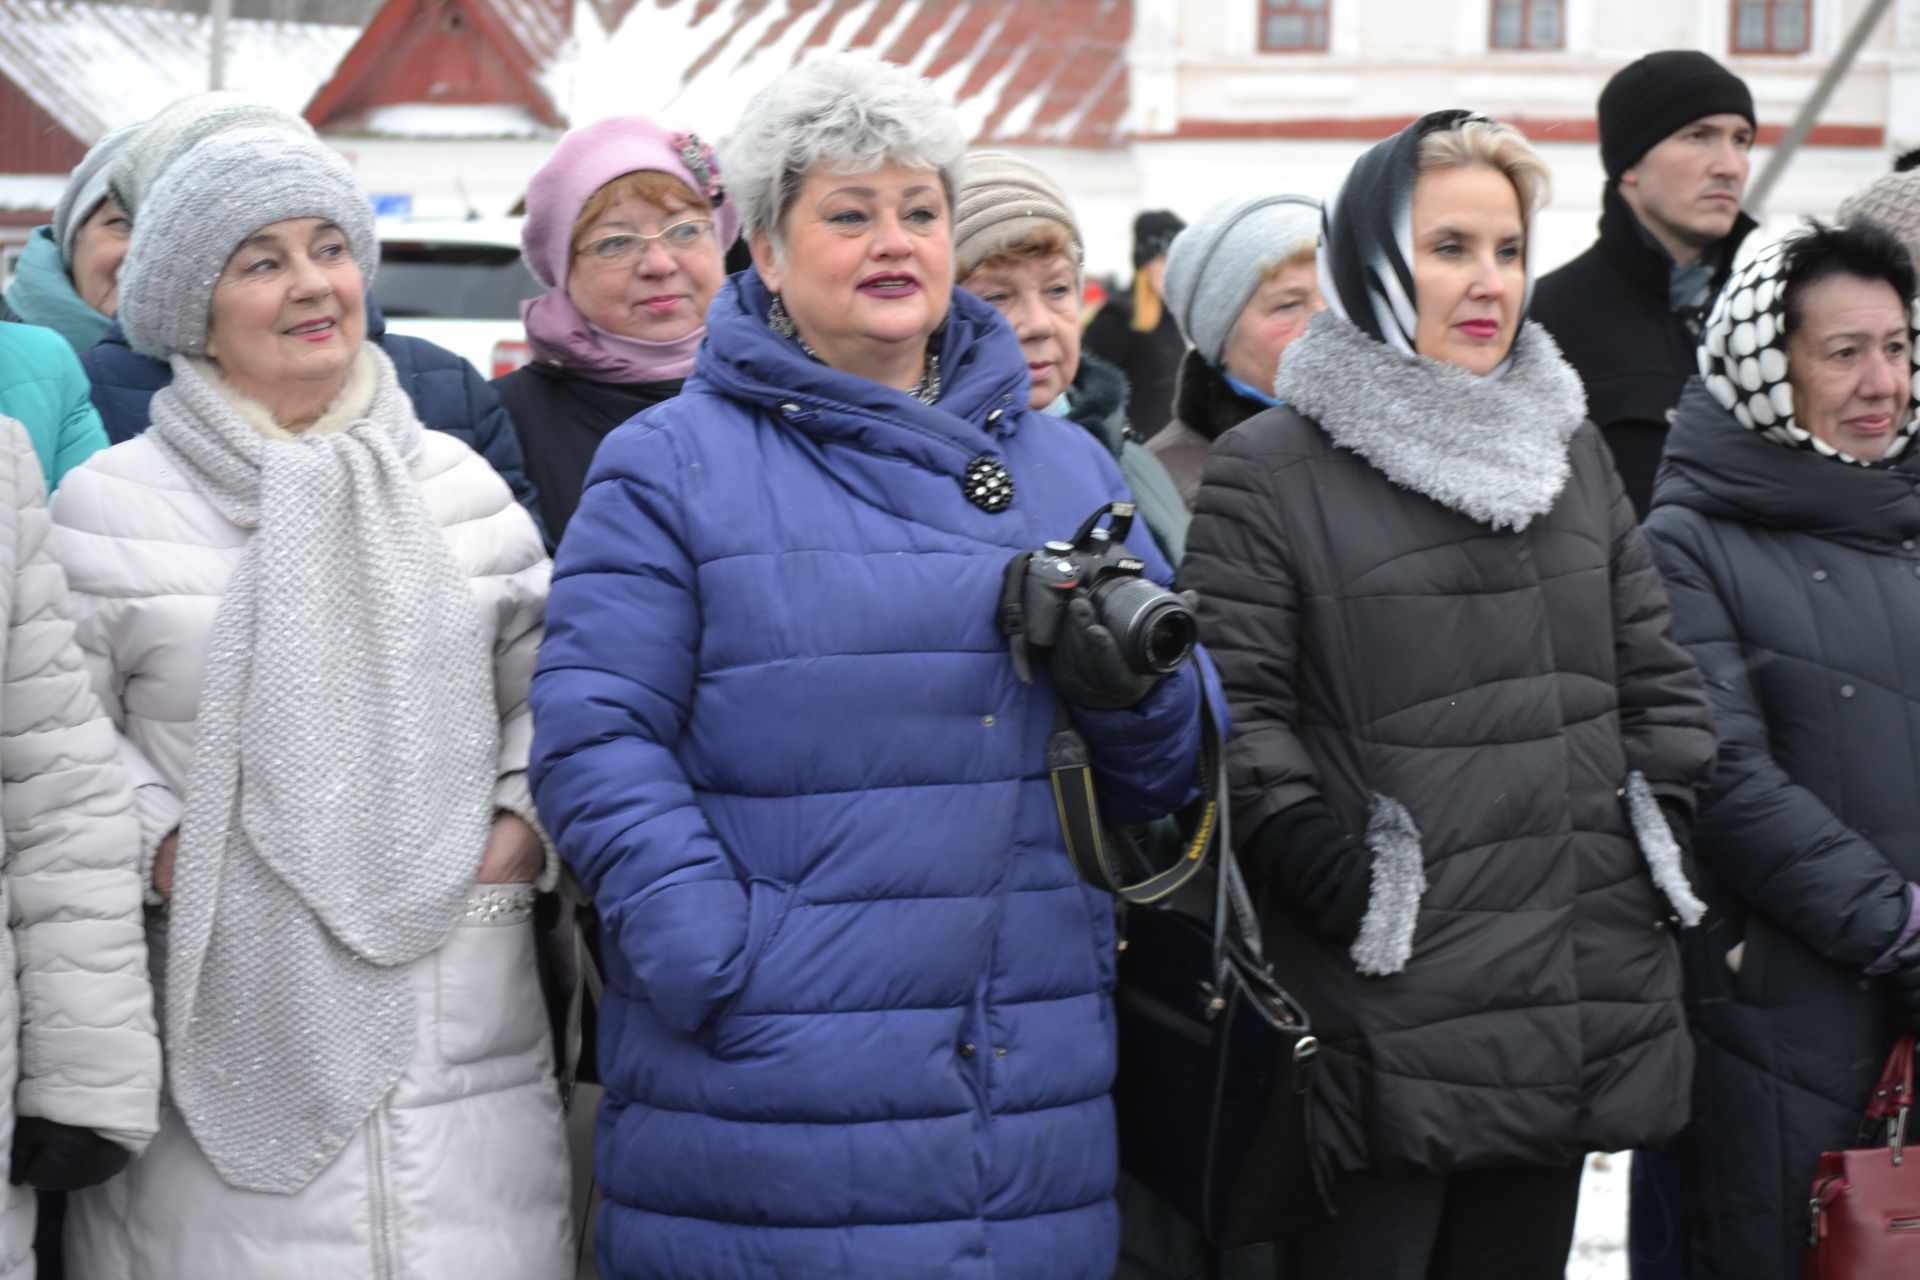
(499, 906)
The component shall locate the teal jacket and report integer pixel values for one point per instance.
(42, 293)
(43, 388)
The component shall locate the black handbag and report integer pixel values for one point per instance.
(1216, 1068)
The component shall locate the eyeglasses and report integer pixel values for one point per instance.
(680, 239)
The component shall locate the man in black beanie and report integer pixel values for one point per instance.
(1676, 136)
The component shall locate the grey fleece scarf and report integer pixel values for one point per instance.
(340, 788)
(1493, 449)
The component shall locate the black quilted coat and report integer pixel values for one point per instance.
(1501, 686)
(1795, 582)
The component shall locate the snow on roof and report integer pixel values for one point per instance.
(452, 120)
(31, 191)
(94, 67)
(1021, 73)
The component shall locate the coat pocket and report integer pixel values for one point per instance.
(1399, 881)
(767, 904)
(486, 980)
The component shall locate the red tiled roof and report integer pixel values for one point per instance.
(1023, 73)
(94, 67)
(452, 53)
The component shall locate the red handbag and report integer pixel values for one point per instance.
(1864, 1214)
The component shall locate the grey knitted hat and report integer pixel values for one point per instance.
(1001, 202)
(1214, 265)
(208, 203)
(86, 189)
(177, 129)
(1894, 203)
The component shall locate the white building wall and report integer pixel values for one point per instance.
(446, 178)
(1392, 59)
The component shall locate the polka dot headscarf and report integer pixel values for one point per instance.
(1743, 357)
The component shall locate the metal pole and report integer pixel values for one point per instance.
(1810, 110)
(220, 11)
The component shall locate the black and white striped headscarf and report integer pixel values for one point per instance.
(1366, 239)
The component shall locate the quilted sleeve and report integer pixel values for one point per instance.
(97, 619)
(81, 433)
(610, 702)
(89, 1053)
(1771, 841)
(516, 650)
(1239, 563)
(1665, 722)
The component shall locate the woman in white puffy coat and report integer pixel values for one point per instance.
(314, 623)
(79, 1062)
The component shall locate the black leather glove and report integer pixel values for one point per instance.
(1088, 669)
(1307, 862)
(1904, 985)
(61, 1157)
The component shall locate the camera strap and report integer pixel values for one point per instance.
(1101, 854)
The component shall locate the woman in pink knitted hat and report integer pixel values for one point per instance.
(628, 226)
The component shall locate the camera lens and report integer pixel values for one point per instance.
(1155, 629)
(1168, 638)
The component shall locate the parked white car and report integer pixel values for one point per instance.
(458, 284)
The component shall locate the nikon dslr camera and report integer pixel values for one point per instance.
(1154, 627)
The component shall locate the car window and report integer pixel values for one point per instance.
(452, 281)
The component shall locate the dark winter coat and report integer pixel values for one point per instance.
(1150, 361)
(1795, 582)
(447, 392)
(1609, 311)
(1099, 403)
(1205, 408)
(1379, 647)
(560, 419)
(857, 1020)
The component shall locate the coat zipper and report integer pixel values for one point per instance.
(377, 1215)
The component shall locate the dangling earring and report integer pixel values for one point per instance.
(778, 320)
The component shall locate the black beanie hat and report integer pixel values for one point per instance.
(1659, 95)
(1153, 233)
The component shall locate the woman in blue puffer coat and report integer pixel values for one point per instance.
(857, 1019)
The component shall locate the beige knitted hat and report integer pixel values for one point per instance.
(1894, 203)
(1001, 202)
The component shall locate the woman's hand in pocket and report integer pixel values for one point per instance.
(514, 852)
(163, 864)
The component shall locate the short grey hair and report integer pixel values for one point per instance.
(839, 113)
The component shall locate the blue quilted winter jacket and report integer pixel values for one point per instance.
(448, 393)
(858, 1020)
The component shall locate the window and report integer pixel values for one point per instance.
(1292, 25)
(1527, 24)
(1771, 26)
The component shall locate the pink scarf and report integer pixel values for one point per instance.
(559, 334)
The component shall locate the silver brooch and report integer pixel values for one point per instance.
(987, 484)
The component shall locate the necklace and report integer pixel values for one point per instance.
(926, 390)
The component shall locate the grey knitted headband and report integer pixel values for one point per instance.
(206, 204)
(178, 128)
(86, 189)
(1214, 265)
(1894, 203)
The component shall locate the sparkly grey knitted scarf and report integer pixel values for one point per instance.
(340, 788)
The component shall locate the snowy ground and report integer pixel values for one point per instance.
(1600, 1233)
